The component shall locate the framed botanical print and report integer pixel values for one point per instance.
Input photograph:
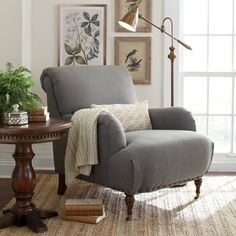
(81, 34)
(123, 6)
(135, 54)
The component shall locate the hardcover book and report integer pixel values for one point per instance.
(83, 213)
(39, 111)
(84, 210)
(84, 202)
(39, 118)
(84, 205)
(85, 219)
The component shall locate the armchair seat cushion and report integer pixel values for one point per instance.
(155, 159)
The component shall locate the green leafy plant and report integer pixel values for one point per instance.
(15, 85)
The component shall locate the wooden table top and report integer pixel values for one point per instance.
(34, 132)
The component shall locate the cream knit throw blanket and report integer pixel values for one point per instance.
(81, 150)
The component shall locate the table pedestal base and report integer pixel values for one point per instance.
(32, 219)
(24, 212)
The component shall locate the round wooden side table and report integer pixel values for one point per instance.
(24, 212)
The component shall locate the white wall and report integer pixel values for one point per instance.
(10, 50)
(29, 37)
(26, 33)
(10, 28)
(44, 43)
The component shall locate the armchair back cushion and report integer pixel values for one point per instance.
(80, 86)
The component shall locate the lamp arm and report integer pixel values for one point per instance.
(163, 31)
(172, 29)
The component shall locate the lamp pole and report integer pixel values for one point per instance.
(172, 55)
(130, 21)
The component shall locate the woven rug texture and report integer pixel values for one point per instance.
(165, 212)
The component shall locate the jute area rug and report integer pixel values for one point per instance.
(164, 212)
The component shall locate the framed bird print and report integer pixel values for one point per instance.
(135, 54)
(81, 34)
(124, 6)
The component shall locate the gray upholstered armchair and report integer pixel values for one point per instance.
(133, 162)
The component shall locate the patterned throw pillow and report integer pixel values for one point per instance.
(132, 116)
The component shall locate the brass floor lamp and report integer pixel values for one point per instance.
(130, 22)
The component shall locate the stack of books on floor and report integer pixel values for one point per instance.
(84, 210)
(39, 115)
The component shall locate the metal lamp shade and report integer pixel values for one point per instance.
(130, 20)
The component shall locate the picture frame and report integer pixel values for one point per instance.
(82, 34)
(123, 6)
(135, 54)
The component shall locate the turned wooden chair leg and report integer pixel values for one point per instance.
(61, 184)
(198, 183)
(129, 200)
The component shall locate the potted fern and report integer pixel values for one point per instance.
(15, 85)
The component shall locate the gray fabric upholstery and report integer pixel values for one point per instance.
(133, 162)
(154, 159)
(80, 86)
(69, 89)
(172, 118)
(111, 140)
(48, 87)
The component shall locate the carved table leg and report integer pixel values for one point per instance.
(198, 183)
(24, 212)
(129, 200)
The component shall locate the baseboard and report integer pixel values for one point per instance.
(223, 167)
(43, 159)
(6, 169)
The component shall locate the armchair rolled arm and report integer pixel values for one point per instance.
(172, 118)
(110, 132)
(111, 135)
